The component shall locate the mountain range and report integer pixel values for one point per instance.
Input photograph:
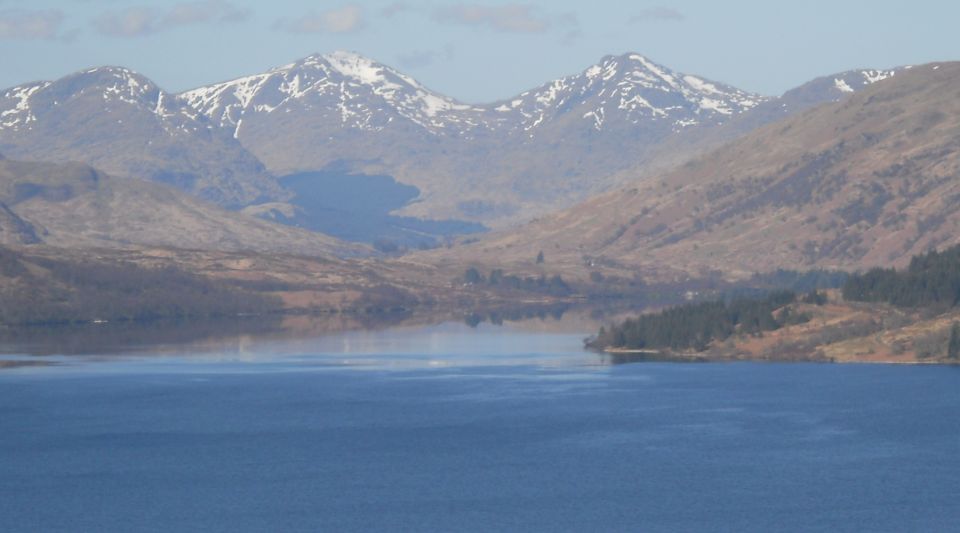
(499, 163)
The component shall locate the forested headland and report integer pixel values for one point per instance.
(693, 326)
(929, 286)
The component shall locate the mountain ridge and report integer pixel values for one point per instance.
(444, 115)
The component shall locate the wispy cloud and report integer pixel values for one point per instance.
(30, 24)
(129, 22)
(344, 19)
(425, 58)
(396, 8)
(139, 21)
(658, 13)
(507, 18)
(570, 25)
(205, 12)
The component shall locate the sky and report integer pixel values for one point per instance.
(474, 51)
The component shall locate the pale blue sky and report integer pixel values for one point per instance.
(475, 51)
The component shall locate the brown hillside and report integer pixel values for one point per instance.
(869, 181)
(73, 205)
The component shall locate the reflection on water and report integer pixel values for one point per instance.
(517, 314)
(530, 334)
(177, 335)
(107, 338)
(626, 358)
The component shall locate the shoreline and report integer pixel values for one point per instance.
(647, 355)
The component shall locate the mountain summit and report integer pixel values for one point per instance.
(346, 89)
(628, 90)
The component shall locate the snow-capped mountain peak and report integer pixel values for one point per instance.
(358, 67)
(112, 93)
(630, 89)
(112, 84)
(356, 91)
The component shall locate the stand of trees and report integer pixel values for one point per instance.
(931, 280)
(953, 345)
(553, 285)
(693, 326)
(798, 281)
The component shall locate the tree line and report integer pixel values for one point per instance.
(553, 285)
(694, 326)
(931, 280)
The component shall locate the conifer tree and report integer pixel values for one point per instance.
(953, 347)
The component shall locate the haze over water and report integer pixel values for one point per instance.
(443, 428)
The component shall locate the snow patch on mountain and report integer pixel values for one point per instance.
(855, 80)
(873, 76)
(17, 102)
(842, 85)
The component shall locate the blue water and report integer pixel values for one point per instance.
(357, 207)
(515, 431)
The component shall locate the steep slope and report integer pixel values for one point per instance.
(119, 121)
(75, 206)
(832, 88)
(693, 142)
(15, 230)
(868, 181)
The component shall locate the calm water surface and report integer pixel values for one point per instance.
(451, 428)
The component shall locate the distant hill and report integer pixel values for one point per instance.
(76, 206)
(121, 122)
(868, 181)
(62, 288)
